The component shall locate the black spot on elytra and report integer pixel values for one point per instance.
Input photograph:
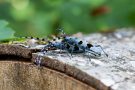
(54, 39)
(58, 37)
(43, 39)
(89, 45)
(31, 37)
(67, 46)
(37, 38)
(76, 48)
(64, 37)
(80, 42)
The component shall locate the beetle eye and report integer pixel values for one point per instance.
(80, 42)
(89, 45)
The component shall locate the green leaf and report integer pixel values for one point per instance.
(5, 32)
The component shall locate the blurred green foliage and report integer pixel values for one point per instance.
(43, 17)
(5, 32)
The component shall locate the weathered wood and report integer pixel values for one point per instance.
(16, 50)
(24, 76)
(61, 72)
(71, 71)
(16, 75)
(115, 72)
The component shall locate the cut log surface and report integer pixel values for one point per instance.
(16, 50)
(60, 71)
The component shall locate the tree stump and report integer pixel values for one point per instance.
(59, 71)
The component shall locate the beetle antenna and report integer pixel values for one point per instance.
(103, 50)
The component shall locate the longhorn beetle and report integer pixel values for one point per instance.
(73, 45)
(76, 45)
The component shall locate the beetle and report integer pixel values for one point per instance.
(76, 45)
(73, 45)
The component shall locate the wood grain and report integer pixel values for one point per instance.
(24, 76)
